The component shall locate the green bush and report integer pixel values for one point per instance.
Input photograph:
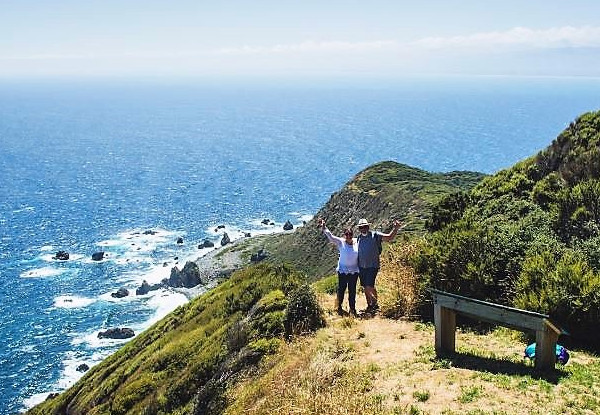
(565, 287)
(265, 346)
(303, 312)
(327, 285)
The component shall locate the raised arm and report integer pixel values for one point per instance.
(333, 239)
(386, 237)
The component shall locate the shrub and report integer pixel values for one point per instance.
(303, 312)
(327, 285)
(265, 346)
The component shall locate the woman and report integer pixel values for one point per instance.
(347, 267)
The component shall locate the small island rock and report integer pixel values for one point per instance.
(116, 333)
(288, 226)
(225, 239)
(61, 255)
(206, 244)
(98, 256)
(188, 277)
(121, 292)
(83, 368)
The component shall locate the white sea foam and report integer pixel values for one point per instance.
(36, 399)
(72, 361)
(164, 302)
(69, 375)
(42, 272)
(72, 301)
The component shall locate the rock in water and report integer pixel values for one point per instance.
(288, 226)
(98, 256)
(145, 288)
(121, 292)
(61, 255)
(206, 244)
(83, 368)
(225, 239)
(116, 333)
(188, 277)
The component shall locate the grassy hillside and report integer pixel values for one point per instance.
(182, 364)
(380, 193)
(528, 236)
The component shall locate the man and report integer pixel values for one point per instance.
(369, 249)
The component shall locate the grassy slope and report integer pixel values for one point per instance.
(164, 368)
(381, 193)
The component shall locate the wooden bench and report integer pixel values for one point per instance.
(446, 305)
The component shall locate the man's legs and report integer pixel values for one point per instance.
(367, 280)
(371, 295)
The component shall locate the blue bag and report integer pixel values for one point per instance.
(562, 354)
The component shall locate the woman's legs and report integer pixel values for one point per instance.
(352, 279)
(342, 284)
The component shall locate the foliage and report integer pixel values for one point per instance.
(400, 291)
(529, 235)
(303, 312)
(327, 285)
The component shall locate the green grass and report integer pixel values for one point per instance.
(165, 367)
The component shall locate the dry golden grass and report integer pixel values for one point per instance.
(381, 366)
(397, 281)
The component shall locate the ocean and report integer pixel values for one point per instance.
(127, 168)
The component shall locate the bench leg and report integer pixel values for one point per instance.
(445, 328)
(545, 349)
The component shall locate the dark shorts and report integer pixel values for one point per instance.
(367, 276)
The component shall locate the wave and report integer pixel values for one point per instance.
(71, 301)
(42, 272)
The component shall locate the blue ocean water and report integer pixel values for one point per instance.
(88, 167)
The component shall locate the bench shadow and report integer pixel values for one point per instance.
(505, 367)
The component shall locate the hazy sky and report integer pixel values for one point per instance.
(298, 39)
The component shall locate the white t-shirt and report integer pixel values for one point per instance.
(348, 262)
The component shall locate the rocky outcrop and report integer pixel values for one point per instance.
(259, 256)
(188, 277)
(98, 256)
(287, 226)
(145, 288)
(206, 244)
(179, 241)
(83, 368)
(117, 333)
(225, 239)
(61, 255)
(266, 221)
(121, 292)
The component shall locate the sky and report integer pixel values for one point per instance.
(298, 39)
